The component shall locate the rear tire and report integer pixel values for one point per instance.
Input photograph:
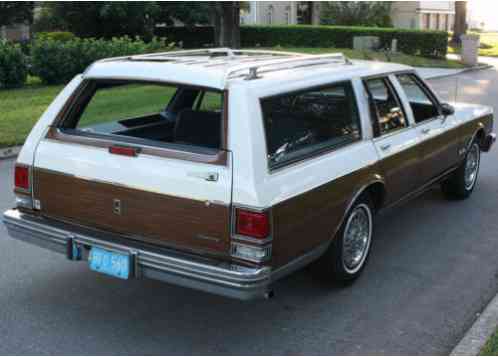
(461, 183)
(346, 257)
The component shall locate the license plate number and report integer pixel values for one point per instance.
(110, 263)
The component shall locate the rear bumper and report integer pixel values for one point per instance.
(488, 142)
(210, 275)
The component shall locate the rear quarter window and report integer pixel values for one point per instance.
(305, 123)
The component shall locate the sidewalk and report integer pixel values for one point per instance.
(429, 73)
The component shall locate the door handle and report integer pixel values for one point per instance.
(426, 130)
(385, 147)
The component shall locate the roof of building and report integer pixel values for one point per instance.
(218, 68)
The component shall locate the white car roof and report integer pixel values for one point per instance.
(218, 68)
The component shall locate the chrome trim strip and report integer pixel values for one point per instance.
(215, 276)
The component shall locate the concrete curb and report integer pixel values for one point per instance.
(475, 338)
(7, 153)
(464, 70)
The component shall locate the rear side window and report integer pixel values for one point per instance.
(305, 123)
(385, 106)
(149, 114)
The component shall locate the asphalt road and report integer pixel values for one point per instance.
(434, 266)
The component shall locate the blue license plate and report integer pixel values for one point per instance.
(110, 263)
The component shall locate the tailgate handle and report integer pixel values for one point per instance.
(124, 150)
(208, 176)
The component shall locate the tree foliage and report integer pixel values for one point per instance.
(118, 18)
(356, 13)
(12, 12)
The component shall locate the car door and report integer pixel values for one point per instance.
(395, 139)
(437, 133)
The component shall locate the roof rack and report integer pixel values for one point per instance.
(181, 56)
(251, 71)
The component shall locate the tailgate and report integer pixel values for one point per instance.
(149, 197)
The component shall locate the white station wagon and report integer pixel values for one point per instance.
(225, 170)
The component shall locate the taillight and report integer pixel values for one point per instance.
(252, 224)
(22, 179)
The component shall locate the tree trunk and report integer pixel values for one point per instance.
(460, 26)
(226, 22)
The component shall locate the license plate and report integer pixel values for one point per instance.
(110, 263)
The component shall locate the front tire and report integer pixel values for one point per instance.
(462, 182)
(346, 257)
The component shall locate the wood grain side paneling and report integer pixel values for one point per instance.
(305, 221)
(151, 217)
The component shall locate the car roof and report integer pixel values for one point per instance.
(218, 68)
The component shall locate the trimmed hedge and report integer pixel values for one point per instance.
(13, 65)
(56, 36)
(58, 62)
(412, 42)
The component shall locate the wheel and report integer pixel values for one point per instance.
(462, 182)
(347, 255)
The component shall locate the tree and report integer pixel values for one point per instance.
(188, 13)
(107, 18)
(12, 12)
(356, 13)
(460, 26)
(226, 21)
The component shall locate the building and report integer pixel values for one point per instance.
(281, 13)
(17, 33)
(404, 14)
(423, 15)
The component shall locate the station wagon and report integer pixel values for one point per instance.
(224, 170)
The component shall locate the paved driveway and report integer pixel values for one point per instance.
(434, 267)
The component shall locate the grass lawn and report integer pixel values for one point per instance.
(21, 108)
(488, 39)
(491, 347)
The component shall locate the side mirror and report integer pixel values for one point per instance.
(447, 109)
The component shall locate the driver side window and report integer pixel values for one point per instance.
(423, 106)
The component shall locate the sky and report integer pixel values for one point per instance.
(484, 11)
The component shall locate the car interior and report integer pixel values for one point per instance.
(164, 114)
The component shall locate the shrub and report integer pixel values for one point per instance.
(59, 61)
(56, 36)
(412, 42)
(13, 65)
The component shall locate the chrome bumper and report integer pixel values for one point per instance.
(170, 266)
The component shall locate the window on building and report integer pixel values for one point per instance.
(427, 21)
(270, 14)
(438, 21)
(446, 22)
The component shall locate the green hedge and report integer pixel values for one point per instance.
(13, 65)
(413, 42)
(56, 36)
(58, 61)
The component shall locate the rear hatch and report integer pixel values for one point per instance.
(144, 160)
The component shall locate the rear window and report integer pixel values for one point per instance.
(305, 123)
(149, 113)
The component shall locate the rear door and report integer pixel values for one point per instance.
(395, 140)
(121, 169)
